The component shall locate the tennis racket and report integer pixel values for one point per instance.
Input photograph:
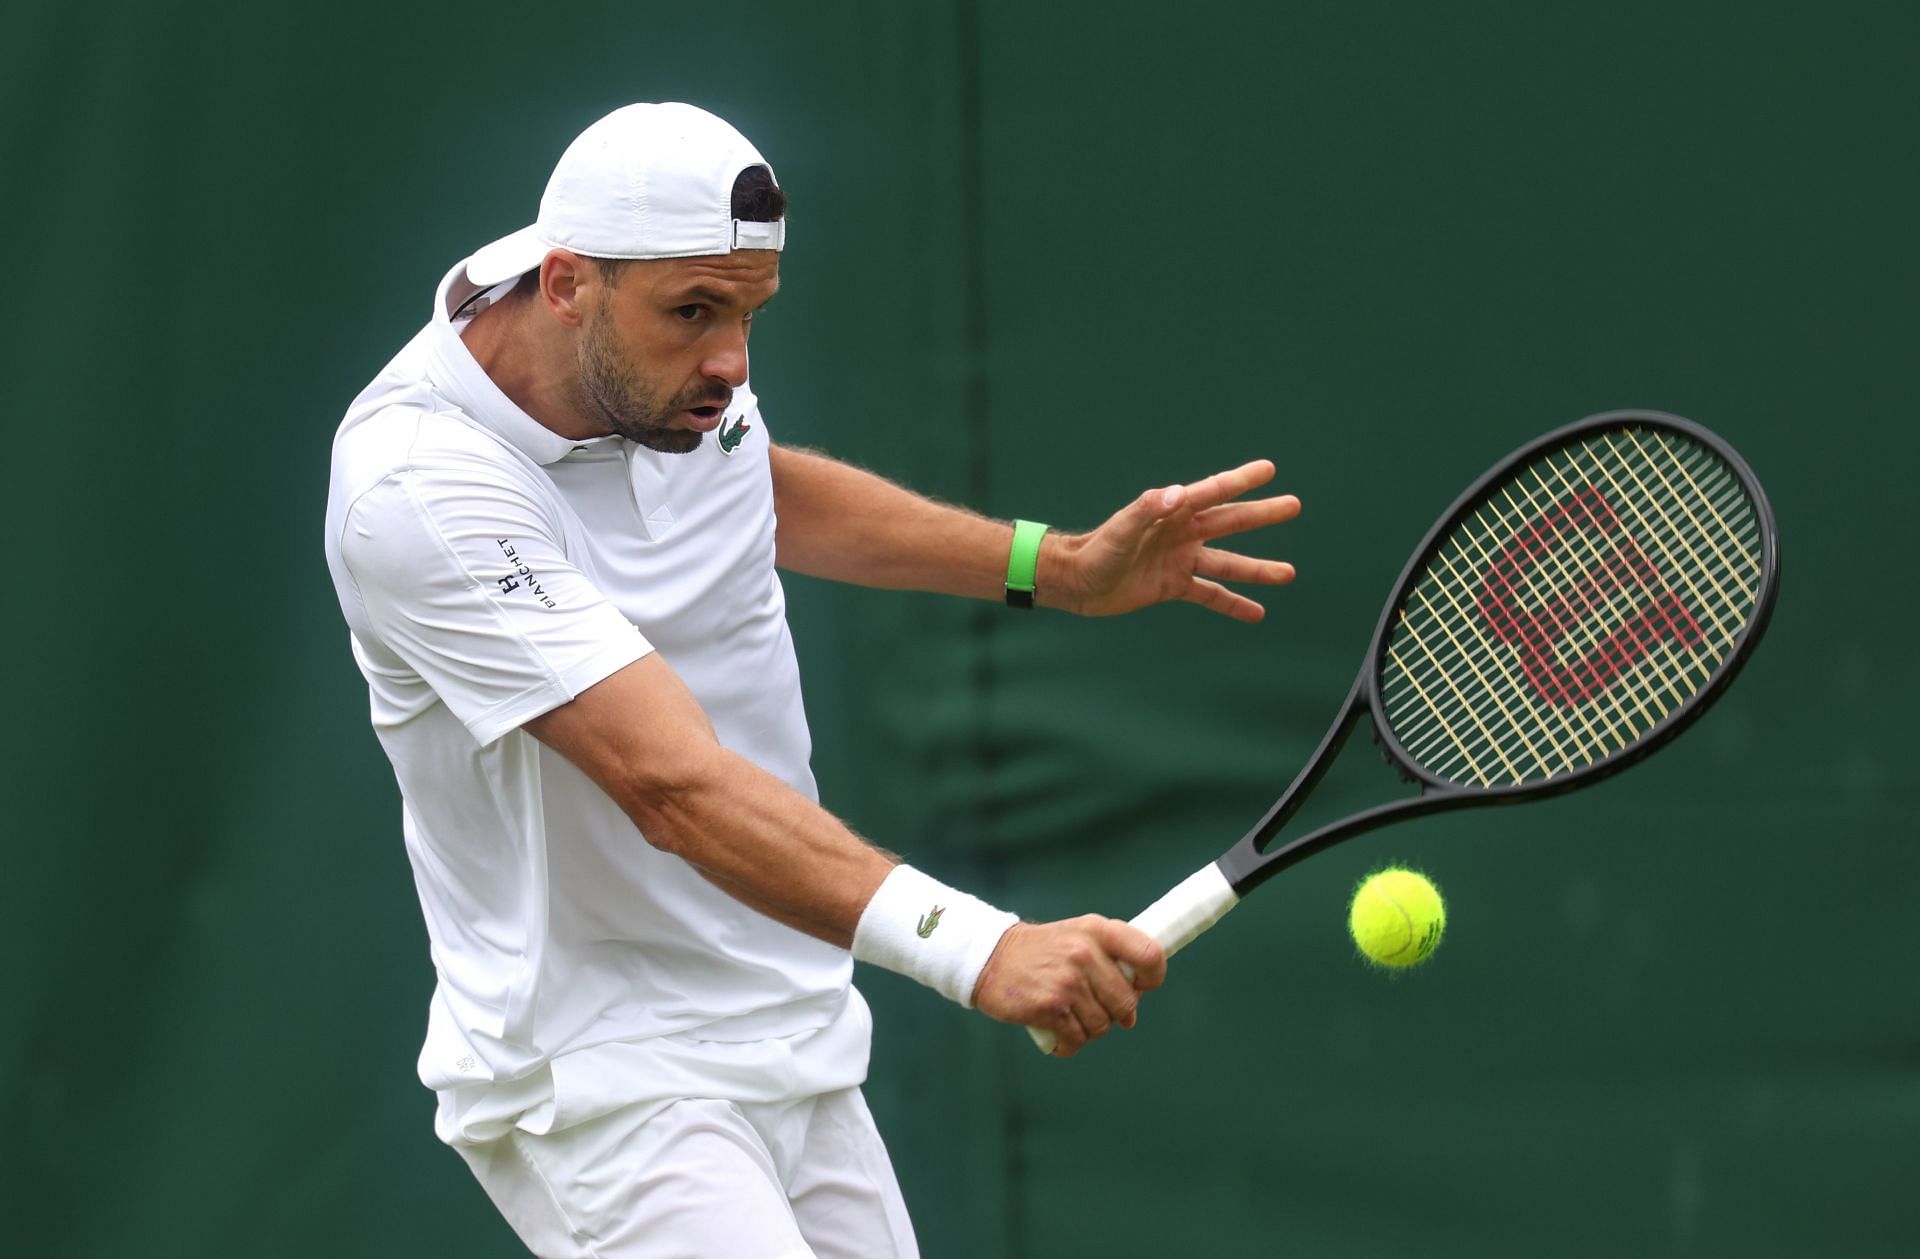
(1578, 607)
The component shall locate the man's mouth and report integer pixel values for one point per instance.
(705, 419)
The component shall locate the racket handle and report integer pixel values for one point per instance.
(1174, 921)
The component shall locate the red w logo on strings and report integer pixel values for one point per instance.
(1619, 572)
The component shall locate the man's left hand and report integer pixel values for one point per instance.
(1154, 550)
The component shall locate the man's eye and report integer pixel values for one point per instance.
(688, 312)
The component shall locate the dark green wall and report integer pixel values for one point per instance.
(1043, 256)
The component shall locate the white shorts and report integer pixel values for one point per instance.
(700, 1179)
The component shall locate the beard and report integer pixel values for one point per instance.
(630, 404)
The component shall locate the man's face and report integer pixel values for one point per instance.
(662, 350)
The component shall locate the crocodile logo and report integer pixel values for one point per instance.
(730, 438)
(928, 921)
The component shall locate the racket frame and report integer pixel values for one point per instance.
(1249, 863)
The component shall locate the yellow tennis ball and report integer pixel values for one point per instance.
(1397, 917)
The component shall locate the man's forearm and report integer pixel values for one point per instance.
(846, 524)
(766, 845)
(643, 739)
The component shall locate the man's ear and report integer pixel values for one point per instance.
(566, 281)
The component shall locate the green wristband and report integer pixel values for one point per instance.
(1022, 560)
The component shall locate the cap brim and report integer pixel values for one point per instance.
(505, 258)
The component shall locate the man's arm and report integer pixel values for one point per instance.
(642, 737)
(846, 524)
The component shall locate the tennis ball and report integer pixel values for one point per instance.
(1397, 917)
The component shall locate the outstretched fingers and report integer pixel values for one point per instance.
(1231, 484)
(1228, 566)
(1217, 598)
(1153, 505)
(1231, 518)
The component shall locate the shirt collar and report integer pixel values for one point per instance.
(459, 375)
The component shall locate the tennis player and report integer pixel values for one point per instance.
(553, 525)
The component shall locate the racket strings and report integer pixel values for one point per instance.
(1580, 604)
(1616, 561)
(1607, 730)
(1599, 730)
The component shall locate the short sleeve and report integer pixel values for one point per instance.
(466, 579)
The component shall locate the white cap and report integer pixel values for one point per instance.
(646, 181)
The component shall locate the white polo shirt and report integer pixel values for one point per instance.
(490, 570)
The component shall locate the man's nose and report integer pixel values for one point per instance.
(728, 359)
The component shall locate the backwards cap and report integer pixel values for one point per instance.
(646, 181)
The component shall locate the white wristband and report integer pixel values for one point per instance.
(923, 929)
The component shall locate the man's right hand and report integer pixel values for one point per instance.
(1064, 977)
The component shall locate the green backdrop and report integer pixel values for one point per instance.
(1043, 256)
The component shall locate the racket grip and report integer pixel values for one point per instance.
(1174, 921)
